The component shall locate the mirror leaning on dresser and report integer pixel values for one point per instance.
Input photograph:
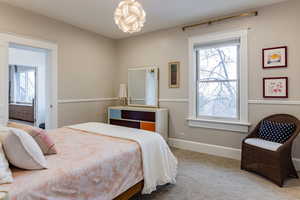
(143, 86)
(142, 111)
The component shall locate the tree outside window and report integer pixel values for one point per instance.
(217, 81)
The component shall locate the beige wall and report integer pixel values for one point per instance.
(276, 25)
(86, 61)
(87, 65)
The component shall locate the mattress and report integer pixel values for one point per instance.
(87, 166)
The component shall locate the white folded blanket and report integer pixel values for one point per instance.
(159, 163)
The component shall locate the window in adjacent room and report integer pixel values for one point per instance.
(22, 84)
(218, 93)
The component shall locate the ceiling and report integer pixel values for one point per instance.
(97, 15)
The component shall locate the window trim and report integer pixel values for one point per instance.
(241, 125)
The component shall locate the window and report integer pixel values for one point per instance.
(218, 81)
(22, 84)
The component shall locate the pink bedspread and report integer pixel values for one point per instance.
(87, 166)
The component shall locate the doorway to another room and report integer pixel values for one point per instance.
(28, 77)
(27, 85)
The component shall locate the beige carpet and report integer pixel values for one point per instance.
(205, 177)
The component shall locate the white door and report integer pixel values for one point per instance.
(3, 82)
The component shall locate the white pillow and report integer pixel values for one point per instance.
(5, 173)
(22, 150)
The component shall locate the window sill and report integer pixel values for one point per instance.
(235, 126)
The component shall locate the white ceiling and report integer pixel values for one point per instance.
(97, 15)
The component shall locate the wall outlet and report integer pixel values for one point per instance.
(182, 133)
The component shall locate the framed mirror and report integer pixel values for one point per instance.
(143, 86)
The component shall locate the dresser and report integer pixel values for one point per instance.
(151, 119)
(22, 112)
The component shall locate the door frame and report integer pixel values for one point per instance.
(51, 71)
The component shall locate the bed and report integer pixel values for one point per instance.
(88, 166)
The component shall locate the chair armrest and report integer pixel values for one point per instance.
(289, 142)
(284, 148)
(286, 145)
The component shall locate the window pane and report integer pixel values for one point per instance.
(217, 99)
(31, 86)
(218, 63)
(22, 87)
(24, 84)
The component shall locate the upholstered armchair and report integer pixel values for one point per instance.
(270, 159)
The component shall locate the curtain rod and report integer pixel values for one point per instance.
(209, 22)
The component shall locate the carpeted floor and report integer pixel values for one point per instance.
(205, 177)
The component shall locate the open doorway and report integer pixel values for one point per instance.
(27, 85)
(45, 81)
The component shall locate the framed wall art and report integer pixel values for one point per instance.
(174, 74)
(276, 57)
(275, 87)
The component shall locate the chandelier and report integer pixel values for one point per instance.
(130, 16)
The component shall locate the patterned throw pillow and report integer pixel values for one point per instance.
(275, 131)
(40, 136)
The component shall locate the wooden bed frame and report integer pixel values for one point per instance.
(136, 189)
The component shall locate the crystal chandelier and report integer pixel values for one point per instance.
(130, 16)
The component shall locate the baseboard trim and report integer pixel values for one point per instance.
(86, 100)
(216, 150)
(297, 163)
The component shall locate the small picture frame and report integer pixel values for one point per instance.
(275, 87)
(276, 57)
(174, 74)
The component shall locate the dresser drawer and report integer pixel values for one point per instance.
(138, 115)
(148, 126)
(115, 114)
(21, 112)
(154, 120)
(129, 124)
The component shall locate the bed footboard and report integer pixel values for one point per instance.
(137, 188)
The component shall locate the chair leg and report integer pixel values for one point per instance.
(280, 183)
(139, 197)
(243, 161)
(242, 166)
